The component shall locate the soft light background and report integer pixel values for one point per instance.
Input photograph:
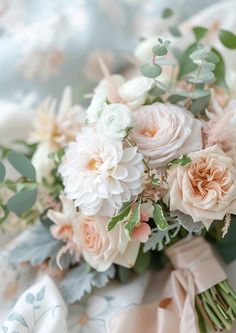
(46, 45)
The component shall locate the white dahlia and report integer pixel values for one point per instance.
(99, 174)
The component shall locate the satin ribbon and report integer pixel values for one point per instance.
(196, 270)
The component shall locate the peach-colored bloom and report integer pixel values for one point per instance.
(164, 132)
(205, 189)
(101, 248)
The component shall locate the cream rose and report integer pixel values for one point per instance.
(205, 189)
(101, 248)
(114, 121)
(134, 92)
(163, 132)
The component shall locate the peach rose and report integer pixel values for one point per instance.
(205, 189)
(101, 248)
(164, 131)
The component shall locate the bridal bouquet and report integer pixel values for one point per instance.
(146, 172)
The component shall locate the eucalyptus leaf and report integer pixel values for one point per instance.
(22, 164)
(159, 218)
(159, 50)
(175, 31)
(79, 282)
(167, 12)
(122, 216)
(151, 70)
(22, 201)
(2, 172)
(200, 32)
(175, 98)
(186, 65)
(220, 71)
(228, 39)
(200, 104)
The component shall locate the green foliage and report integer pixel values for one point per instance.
(123, 274)
(22, 164)
(79, 281)
(2, 172)
(199, 32)
(167, 12)
(160, 50)
(186, 65)
(227, 246)
(161, 238)
(228, 39)
(183, 161)
(143, 261)
(22, 201)
(121, 217)
(200, 103)
(175, 31)
(159, 217)
(151, 70)
(220, 71)
(133, 220)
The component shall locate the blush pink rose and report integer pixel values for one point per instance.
(164, 131)
(205, 189)
(101, 248)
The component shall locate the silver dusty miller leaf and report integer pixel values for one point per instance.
(187, 222)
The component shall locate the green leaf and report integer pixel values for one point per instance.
(22, 165)
(30, 298)
(134, 219)
(199, 104)
(159, 218)
(151, 70)
(159, 50)
(22, 201)
(143, 261)
(183, 161)
(123, 274)
(4, 212)
(2, 172)
(175, 98)
(175, 31)
(121, 217)
(40, 294)
(167, 12)
(220, 71)
(186, 65)
(200, 32)
(17, 317)
(228, 39)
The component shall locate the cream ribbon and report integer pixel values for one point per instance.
(196, 270)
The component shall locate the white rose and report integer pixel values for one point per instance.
(144, 50)
(114, 120)
(134, 92)
(97, 104)
(101, 248)
(163, 132)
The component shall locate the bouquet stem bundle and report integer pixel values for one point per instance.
(216, 308)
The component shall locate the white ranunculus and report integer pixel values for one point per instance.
(144, 50)
(134, 92)
(114, 120)
(99, 101)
